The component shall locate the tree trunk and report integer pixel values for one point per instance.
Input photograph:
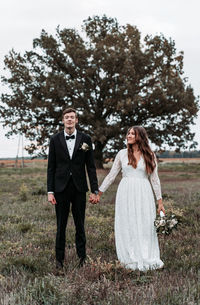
(98, 155)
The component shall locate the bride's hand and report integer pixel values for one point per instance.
(160, 206)
(94, 199)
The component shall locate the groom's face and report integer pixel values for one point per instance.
(70, 120)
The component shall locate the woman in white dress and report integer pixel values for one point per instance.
(135, 235)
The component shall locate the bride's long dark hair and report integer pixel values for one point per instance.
(141, 139)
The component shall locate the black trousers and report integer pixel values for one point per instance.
(77, 200)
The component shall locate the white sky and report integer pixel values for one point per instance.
(21, 21)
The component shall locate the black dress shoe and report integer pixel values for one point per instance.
(59, 269)
(81, 262)
(59, 265)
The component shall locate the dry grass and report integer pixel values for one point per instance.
(42, 163)
(180, 160)
(27, 163)
(27, 232)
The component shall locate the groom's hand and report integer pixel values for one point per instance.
(51, 198)
(94, 199)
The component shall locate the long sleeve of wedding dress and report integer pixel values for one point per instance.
(112, 174)
(155, 182)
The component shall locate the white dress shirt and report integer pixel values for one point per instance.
(71, 142)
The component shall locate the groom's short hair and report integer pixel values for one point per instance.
(68, 110)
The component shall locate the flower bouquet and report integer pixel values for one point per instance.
(165, 224)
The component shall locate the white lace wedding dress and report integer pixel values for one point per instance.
(135, 211)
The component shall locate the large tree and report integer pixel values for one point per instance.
(110, 76)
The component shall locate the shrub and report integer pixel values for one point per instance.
(23, 192)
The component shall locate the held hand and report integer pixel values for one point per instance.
(94, 199)
(52, 199)
(160, 206)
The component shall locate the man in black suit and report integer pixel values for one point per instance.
(70, 154)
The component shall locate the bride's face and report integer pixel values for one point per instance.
(131, 136)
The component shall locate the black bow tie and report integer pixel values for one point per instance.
(70, 137)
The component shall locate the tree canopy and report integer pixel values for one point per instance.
(111, 76)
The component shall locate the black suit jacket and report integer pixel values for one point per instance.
(61, 167)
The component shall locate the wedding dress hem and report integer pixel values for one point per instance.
(143, 267)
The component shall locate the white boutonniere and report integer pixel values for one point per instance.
(85, 147)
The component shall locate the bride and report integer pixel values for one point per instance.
(135, 235)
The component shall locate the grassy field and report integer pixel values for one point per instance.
(27, 234)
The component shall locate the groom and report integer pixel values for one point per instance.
(70, 154)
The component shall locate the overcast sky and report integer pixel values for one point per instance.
(21, 21)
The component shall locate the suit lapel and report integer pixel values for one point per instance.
(77, 143)
(63, 142)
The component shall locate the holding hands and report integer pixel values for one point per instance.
(94, 198)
